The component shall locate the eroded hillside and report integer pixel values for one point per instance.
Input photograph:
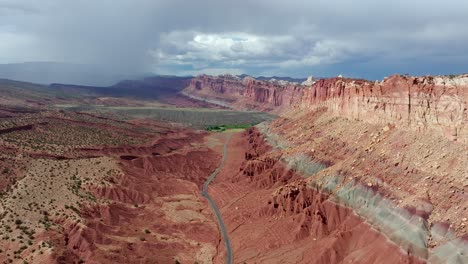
(351, 169)
(81, 188)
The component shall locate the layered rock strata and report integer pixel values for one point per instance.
(435, 102)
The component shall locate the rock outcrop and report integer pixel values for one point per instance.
(310, 81)
(435, 102)
(267, 201)
(350, 168)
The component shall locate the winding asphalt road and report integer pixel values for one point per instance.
(222, 228)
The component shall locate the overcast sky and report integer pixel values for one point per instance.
(360, 38)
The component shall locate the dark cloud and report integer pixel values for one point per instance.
(364, 38)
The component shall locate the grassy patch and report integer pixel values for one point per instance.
(221, 128)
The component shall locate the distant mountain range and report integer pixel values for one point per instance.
(26, 94)
(147, 88)
(55, 72)
(83, 74)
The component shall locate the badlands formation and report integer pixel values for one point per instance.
(350, 171)
(80, 188)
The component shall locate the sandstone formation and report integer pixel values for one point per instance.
(350, 169)
(438, 103)
(275, 216)
(316, 193)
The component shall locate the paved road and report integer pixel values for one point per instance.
(222, 228)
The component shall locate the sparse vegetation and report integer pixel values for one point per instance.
(63, 132)
(52, 170)
(452, 76)
(196, 117)
(221, 128)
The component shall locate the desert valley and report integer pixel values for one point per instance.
(236, 132)
(333, 170)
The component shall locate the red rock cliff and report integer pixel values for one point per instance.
(439, 102)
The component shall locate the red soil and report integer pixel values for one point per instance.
(114, 232)
(151, 213)
(273, 216)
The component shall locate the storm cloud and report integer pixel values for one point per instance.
(363, 38)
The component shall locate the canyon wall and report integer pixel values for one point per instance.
(436, 102)
(387, 156)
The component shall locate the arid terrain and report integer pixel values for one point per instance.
(233, 132)
(347, 171)
(81, 188)
(351, 172)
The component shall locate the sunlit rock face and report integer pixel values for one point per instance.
(438, 103)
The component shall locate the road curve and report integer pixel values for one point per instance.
(222, 227)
